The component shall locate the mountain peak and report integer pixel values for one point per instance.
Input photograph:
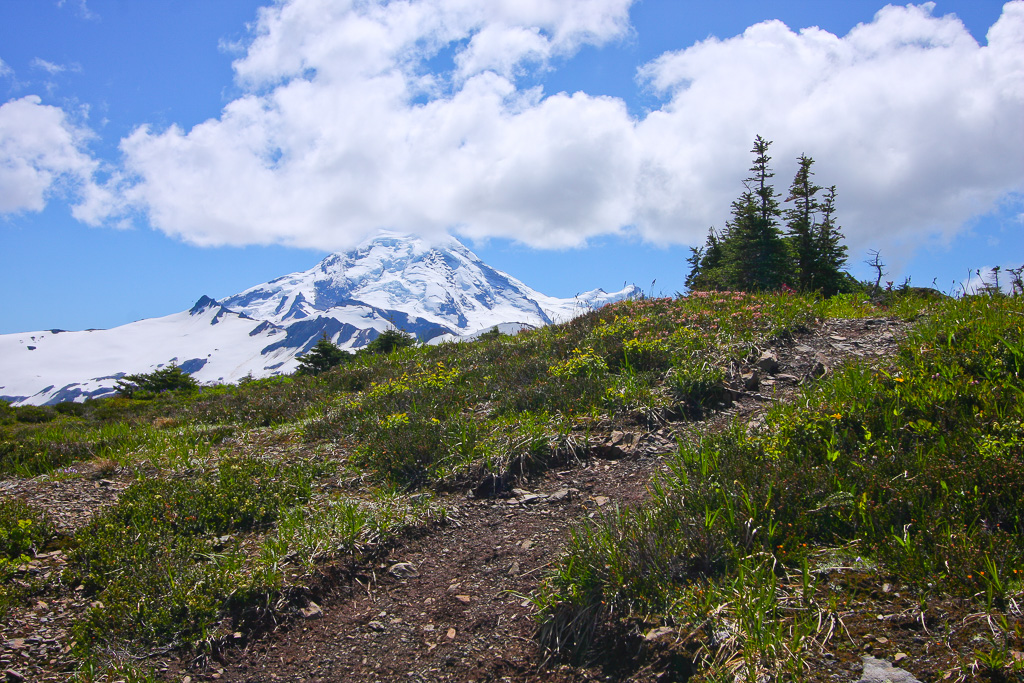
(438, 281)
(203, 304)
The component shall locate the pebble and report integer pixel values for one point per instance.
(311, 611)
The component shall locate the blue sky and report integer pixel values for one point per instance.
(154, 152)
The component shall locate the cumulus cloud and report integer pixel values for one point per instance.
(42, 153)
(335, 140)
(908, 115)
(348, 125)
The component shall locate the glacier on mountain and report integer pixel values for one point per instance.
(437, 291)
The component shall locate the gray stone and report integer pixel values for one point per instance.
(881, 671)
(524, 497)
(622, 439)
(560, 495)
(768, 363)
(751, 380)
(404, 570)
(659, 633)
(311, 611)
(820, 366)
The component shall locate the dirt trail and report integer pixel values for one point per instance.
(460, 614)
(453, 609)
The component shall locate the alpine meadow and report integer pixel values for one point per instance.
(591, 341)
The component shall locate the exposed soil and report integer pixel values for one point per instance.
(450, 603)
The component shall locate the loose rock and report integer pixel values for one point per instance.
(404, 570)
(659, 633)
(311, 611)
(881, 671)
(768, 363)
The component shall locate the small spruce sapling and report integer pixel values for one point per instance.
(170, 378)
(322, 357)
(388, 341)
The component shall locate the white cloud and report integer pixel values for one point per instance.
(344, 130)
(48, 67)
(908, 116)
(330, 145)
(502, 49)
(83, 10)
(41, 153)
(4, 69)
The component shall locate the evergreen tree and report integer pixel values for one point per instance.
(757, 258)
(706, 265)
(388, 341)
(752, 254)
(817, 245)
(322, 357)
(801, 222)
(170, 378)
(830, 252)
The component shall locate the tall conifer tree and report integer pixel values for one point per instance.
(830, 252)
(752, 254)
(707, 265)
(801, 223)
(758, 257)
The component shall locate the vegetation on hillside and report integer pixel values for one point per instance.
(914, 467)
(321, 358)
(146, 384)
(911, 472)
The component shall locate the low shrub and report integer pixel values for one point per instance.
(179, 586)
(23, 529)
(34, 414)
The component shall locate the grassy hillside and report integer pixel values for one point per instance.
(911, 470)
(757, 545)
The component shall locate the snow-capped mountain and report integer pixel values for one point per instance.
(436, 288)
(439, 292)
